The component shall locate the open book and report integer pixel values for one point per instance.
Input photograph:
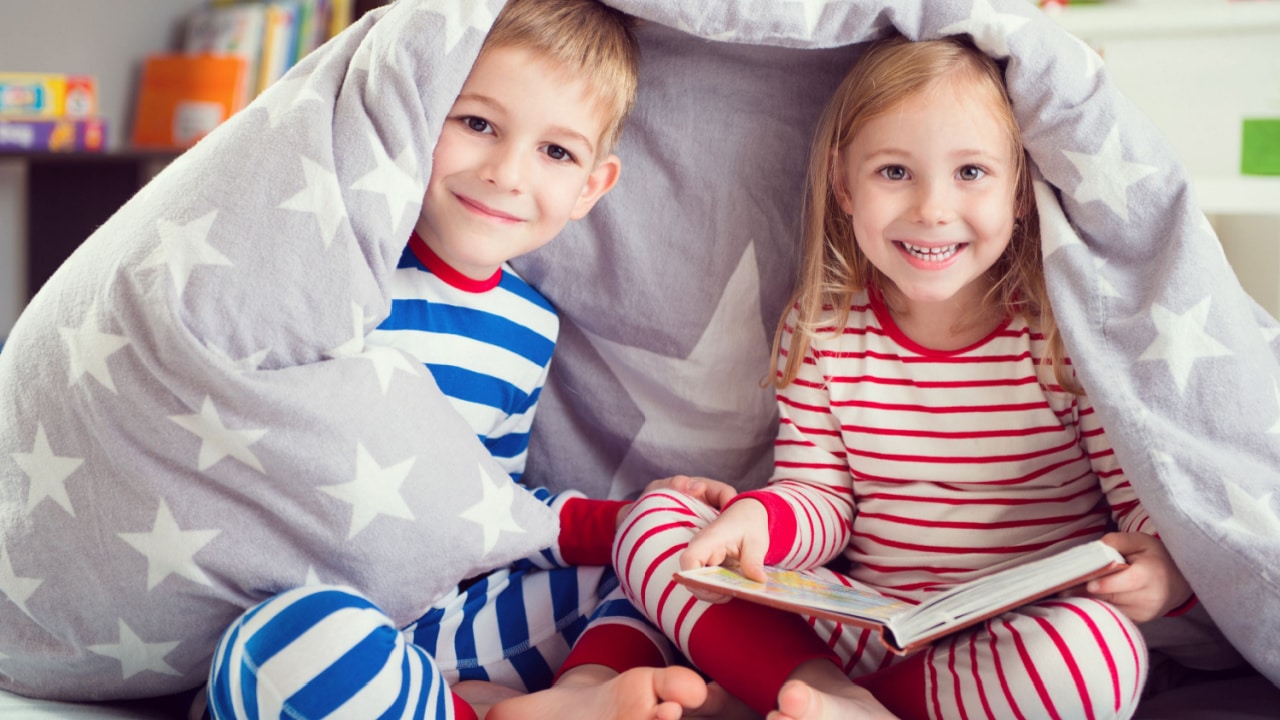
(904, 627)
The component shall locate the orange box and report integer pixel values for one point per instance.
(183, 97)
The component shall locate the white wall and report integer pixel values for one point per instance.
(104, 38)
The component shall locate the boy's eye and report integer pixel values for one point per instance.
(476, 124)
(555, 152)
(894, 172)
(970, 173)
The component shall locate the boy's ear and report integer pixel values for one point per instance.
(600, 181)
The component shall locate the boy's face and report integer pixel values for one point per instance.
(516, 160)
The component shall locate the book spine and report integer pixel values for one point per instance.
(44, 135)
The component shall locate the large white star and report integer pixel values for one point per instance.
(374, 491)
(321, 197)
(88, 349)
(17, 589)
(990, 29)
(459, 15)
(1250, 515)
(136, 656)
(694, 408)
(47, 472)
(812, 10)
(1105, 288)
(493, 511)
(217, 440)
(183, 248)
(1056, 232)
(1275, 392)
(169, 549)
(396, 180)
(1181, 340)
(1106, 176)
(386, 361)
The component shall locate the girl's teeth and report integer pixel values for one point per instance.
(937, 254)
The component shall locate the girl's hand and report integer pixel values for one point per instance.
(712, 492)
(740, 533)
(1150, 587)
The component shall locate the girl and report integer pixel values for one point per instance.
(932, 431)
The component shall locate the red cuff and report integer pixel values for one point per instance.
(615, 646)
(587, 528)
(1185, 607)
(782, 523)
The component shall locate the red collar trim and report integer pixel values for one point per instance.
(881, 310)
(445, 272)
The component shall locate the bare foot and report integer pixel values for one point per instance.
(592, 691)
(799, 701)
(722, 706)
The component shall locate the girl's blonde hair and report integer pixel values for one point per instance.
(588, 39)
(833, 268)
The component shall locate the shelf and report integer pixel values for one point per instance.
(1169, 18)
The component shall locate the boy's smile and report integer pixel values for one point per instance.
(930, 187)
(516, 160)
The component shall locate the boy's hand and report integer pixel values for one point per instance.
(740, 533)
(1150, 587)
(712, 492)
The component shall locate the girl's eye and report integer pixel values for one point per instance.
(971, 173)
(555, 152)
(476, 124)
(894, 172)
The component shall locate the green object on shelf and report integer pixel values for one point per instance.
(1260, 146)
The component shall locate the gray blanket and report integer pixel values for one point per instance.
(190, 419)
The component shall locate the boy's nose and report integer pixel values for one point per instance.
(504, 167)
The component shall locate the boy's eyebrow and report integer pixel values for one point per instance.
(557, 129)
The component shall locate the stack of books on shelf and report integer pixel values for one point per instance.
(230, 52)
(49, 112)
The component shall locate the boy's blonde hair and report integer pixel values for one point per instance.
(833, 268)
(588, 39)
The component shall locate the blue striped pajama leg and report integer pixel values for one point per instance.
(322, 651)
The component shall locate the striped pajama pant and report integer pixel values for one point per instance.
(1056, 658)
(325, 651)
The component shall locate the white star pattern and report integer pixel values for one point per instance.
(1250, 515)
(47, 472)
(354, 345)
(733, 345)
(1275, 392)
(374, 491)
(286, 94)
(217, 440)
(1269, 333)
(990, 29)
(459, 15)
(251, 362)
(1106, 176)
(727, 35)
(88, 349)
(136, 656)
(1104, 285)
(812, 10)
(493, 511)
(386, 361)
(396, 180)
(17, 589)
(1056, 232)
(1092, 60)
(321, 197)
(183, 248)
(169, 549)
(1182, 340)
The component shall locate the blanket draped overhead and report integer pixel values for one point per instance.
(190, 419)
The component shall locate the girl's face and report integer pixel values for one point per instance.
(929, 188)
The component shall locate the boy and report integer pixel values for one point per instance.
(526, 147)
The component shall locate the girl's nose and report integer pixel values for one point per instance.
(935, 204)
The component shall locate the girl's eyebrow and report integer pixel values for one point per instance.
(559, 130)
